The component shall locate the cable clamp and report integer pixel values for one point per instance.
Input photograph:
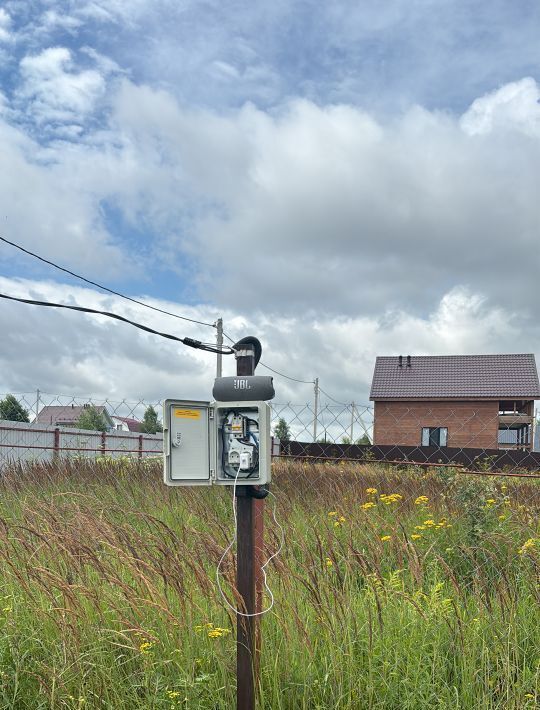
(258, 492)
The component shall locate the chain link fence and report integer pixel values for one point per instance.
(54, 429)
(472, 436)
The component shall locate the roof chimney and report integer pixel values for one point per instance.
(400, 361)
(408, 360)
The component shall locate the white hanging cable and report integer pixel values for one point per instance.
(263, 568)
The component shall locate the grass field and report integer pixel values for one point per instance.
(395, 589)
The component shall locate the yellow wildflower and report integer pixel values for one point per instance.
(385, 538)
(371, 491)
(391, 498)
(368, 505)
(429, 522)
(329, 562)
(527, 545)
(416, 537)
(421, 500)
(332, 513)
(146, 647)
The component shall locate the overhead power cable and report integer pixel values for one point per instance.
(332, 398)
(104, 288)
(281, 374)
(190, 342)
(287, 377)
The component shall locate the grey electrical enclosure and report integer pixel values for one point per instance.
(209, 443)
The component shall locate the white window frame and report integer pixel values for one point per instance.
(426, 435)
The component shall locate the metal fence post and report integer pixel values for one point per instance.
(56, 445)
(315, 408)
(140, 445)
(250, 512)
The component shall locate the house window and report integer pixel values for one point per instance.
(434, 436)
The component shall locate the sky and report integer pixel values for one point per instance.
(341, 180)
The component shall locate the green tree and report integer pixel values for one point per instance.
(12, 410)
(363, 440)
(92, 419)
(282, 431)
(150, 423)
(345, 439)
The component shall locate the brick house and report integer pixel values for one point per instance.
(461, 401)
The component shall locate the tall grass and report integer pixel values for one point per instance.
(421, 593)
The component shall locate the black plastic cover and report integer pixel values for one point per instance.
(252, 388)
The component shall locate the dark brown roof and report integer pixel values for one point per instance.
(455, 377)
(64, 415)
(132, 424)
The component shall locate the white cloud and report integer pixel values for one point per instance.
(53, 88)
(5, 24)
(313, 209)
(515, 106)
(328, 209)
(52, 20)
(89, 355)
(49, 206)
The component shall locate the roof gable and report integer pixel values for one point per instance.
(68, 414)
(456, 377)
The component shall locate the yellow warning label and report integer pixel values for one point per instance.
(188, 413)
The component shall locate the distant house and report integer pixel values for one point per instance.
(68, 416)
(126, 424)
(462, 401)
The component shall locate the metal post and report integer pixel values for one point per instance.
(140, 446)
(37, 404)
(352, 423)
(315, 409)
(248, 571)
(219, 343)
(56, 445)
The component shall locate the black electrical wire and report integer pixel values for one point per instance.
(281, 374)
(190, 342)
(103, 288)
(342, 404)
(287, 377)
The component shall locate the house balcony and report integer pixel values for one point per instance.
(514, 420)
(515, 431)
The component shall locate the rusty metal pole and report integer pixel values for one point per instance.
(250, 513)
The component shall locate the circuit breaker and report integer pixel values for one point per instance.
(219, 443)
